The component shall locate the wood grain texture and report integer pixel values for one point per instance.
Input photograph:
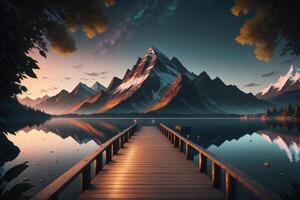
(149, 167)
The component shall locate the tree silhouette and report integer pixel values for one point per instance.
(297, 112)
(26, 26)
(268, 113)
(274, 111)
(288, 111)
(274, 21)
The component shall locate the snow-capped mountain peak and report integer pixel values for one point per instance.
(294, 73)
(153, 51)
(97, 87)
(148, 79)
(82, 90)
(288, 82)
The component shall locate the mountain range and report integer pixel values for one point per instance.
(32, 102)
(285, 90)
(157, 84)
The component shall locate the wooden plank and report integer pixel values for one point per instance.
(153, 196)
(146, 191)
(149, 182)
(149, 167)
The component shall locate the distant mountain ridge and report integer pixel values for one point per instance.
(286, 90)
(64, 101)
(288, 82)
(156, 84)
(32, 102)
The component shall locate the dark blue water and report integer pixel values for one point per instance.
(247, 145)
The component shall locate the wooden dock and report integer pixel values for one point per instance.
(149, 167)
(142, 163)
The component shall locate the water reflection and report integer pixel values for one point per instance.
(53, 147)
(247, 145)
(289, 144)
(83, 130)
(207, 132)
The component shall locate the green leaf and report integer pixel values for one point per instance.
(14, 172)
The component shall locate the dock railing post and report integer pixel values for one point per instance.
(230, 187)
(109, 153)
(115, 147)
(173, 138)
(202, 163)
(99, 163)
(216, 173)
(86, 177)
(128, 135)
(180, 145)
(122, 141)
(187, 151)
(176, 143)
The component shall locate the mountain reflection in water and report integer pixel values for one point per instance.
(289, 144)
(83, 130)
(55, 146)
(247, 145)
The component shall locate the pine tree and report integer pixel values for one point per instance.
(297, 112)
(268, 113)
(274, 111)
(288, 111)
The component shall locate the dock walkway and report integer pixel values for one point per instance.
(149, 167)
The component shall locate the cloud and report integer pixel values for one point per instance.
(53, 88)
(87, 14)
(272, 73)
(47, 90)
(91, 16)
(43, 90)
(77, 66)
(96, 73)
(289, 61)
(60, 39)
(109, 3)
(257, 31)
(92, 74)
(45, 77)
(241, 6)
(67, 78)
(251, 85)
(84, 79)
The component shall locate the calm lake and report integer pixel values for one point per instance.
(58, 144)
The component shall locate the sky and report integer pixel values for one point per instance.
(200, 33)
